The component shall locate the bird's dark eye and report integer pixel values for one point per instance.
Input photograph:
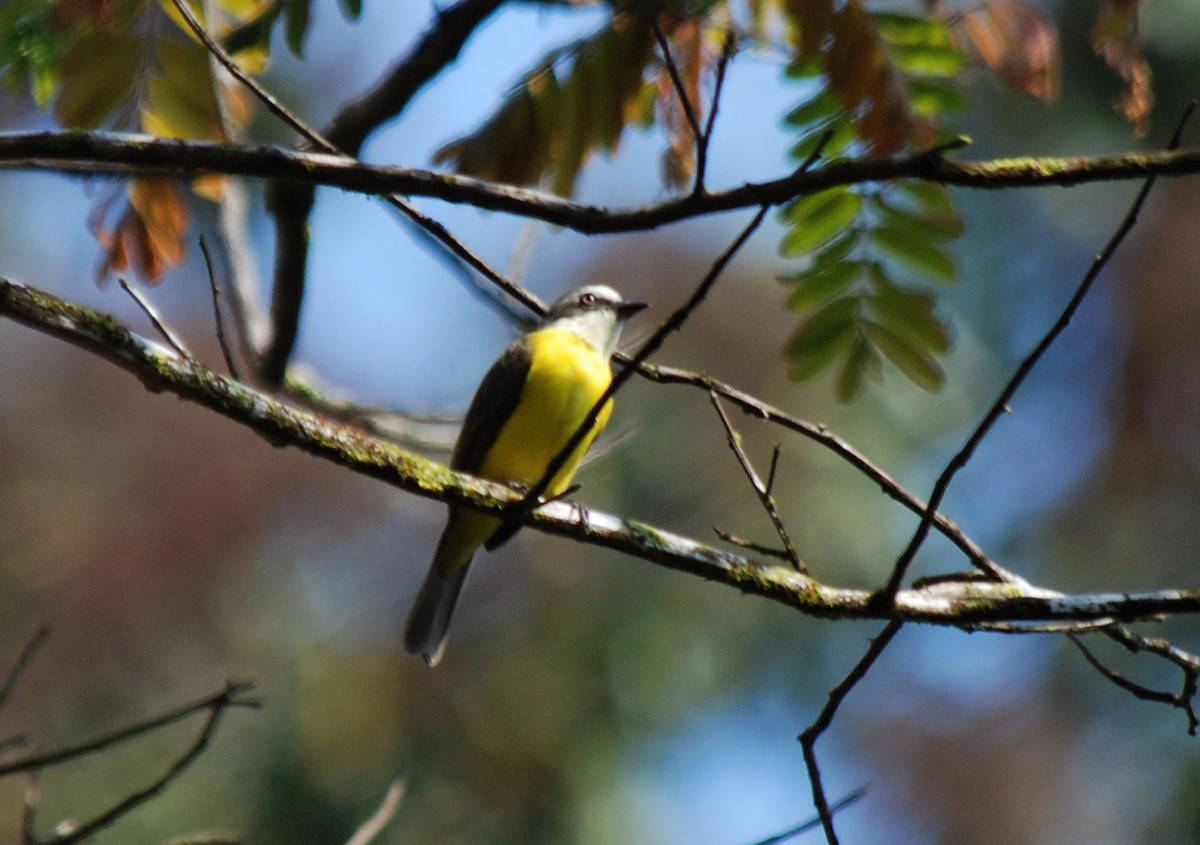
(587, 299)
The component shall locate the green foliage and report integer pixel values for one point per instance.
(30, 47)
(857, 241)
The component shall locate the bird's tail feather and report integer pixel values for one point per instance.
(429, 620)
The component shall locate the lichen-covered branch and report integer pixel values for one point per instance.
(966, 603)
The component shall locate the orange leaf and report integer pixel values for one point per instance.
(1018, 43)
(1115, 37)
(148, 239)
(840, 34)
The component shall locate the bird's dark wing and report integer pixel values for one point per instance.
(494, 403)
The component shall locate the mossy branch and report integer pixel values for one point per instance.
(968, 603)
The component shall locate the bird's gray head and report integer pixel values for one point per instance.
(594, 312)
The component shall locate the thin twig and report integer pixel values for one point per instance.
(762, 490)
(1188, 665)
(265, 96)
(448, 244)
(1139, 691)
(750, 545)
(685, 102)
(23, 660)
(229, 696)
(216, 707)
(821, 435)
(383, 814)
(155, 319)
(727, 51)
(1042, 628)
(998, 408)
(230, 364)
(805, 827)
(29, 801)
(775, 452)
(808, 739)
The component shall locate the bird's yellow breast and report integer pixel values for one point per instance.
(567, 376)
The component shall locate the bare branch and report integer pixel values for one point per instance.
(808, 739)
(763, 491)
(130, 154)
(216, 707)
(437, 48)
(372, 827)
(999, 407)
(226, 353)
(155, 318)
(229, 696)
(805, 827)
(23, 660)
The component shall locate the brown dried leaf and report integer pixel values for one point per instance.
(148, 239)
(1018, 42)
(547, 127)
(839, 33)
(1115, 37)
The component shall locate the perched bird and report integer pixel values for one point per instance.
(529, 405)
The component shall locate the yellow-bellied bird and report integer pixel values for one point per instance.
(529, 405)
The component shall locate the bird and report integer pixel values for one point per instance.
(530, 404)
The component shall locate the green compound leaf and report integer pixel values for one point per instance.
(935, 97)
(929, 60)
(825, 106)
(918, 223)
(917, 364)
(885, 81)
(810, 289)
(922, 255)
(900, 30)
(818, 218)
(909, 314)
(295, 24)
(862, 360)
(822, 337)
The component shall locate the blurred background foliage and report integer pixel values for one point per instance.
(585, 697)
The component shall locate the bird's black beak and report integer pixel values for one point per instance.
(627, 309)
